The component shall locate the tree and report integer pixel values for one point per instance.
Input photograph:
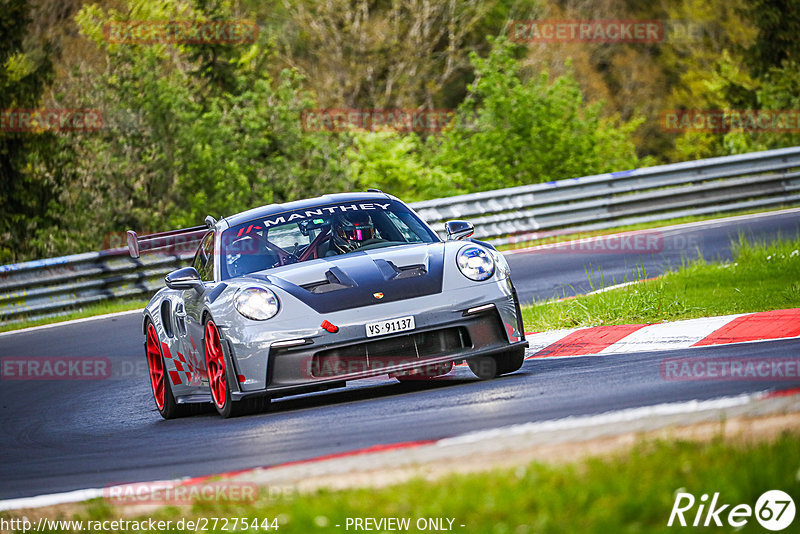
(207, 137)
(524, 130)
(408, 54)
(29, 171)
(511, 130)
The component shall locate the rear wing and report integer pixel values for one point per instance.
(174, 242)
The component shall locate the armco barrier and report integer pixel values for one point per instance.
(43, 288)
(506, 216)
(713, 185)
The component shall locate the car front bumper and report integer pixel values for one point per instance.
(280, 360)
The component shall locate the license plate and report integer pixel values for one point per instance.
(390, 326)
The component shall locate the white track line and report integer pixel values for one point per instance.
(72, 321)
(618, 286)
(41, 501)
(608, 418)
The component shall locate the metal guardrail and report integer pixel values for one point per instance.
(506, 216)
(51, 287)
(730, 183)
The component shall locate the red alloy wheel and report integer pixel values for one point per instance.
(155, 364)
(215, 362)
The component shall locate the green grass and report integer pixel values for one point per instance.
(110, 306)
(629, 492)
(762, 276)
(639, 226)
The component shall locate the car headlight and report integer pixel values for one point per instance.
(475, 263)
(501, 265)
(257, 303)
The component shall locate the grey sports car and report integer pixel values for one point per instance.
(307, 295)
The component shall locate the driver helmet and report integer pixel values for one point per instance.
(350, 230)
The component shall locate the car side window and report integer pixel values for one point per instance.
(204, 258)
(409, 234)
(287, 235)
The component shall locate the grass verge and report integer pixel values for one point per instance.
(101, 308)
(762, 276)
(625, 493)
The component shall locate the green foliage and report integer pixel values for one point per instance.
(394, 164)
(215, 128)
(517, 130)
(405, 54)
(753, 67)
(511, 130)
(778, 23)
(213, 134)
(28, 160)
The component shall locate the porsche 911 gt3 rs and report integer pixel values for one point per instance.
(308, 295)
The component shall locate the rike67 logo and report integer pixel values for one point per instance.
(774, 510)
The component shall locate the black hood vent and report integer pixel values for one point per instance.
(356, 282)
(335, 279)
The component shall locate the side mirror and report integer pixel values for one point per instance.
(458, 230)
(186, 278)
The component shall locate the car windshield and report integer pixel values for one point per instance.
(318, 232)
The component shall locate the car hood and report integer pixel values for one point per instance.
(362, 278)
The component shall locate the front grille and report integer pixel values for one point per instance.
(389, 352)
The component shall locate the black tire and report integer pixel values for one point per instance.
(488, 367)
(428, 372)
(248, 406)
(484, 367)
(510, 361)
(219, 374)
(163, 397)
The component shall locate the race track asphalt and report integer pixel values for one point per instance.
(65, 435)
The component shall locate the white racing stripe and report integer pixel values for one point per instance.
(668, 336)
(540, 340)
(617, 286)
